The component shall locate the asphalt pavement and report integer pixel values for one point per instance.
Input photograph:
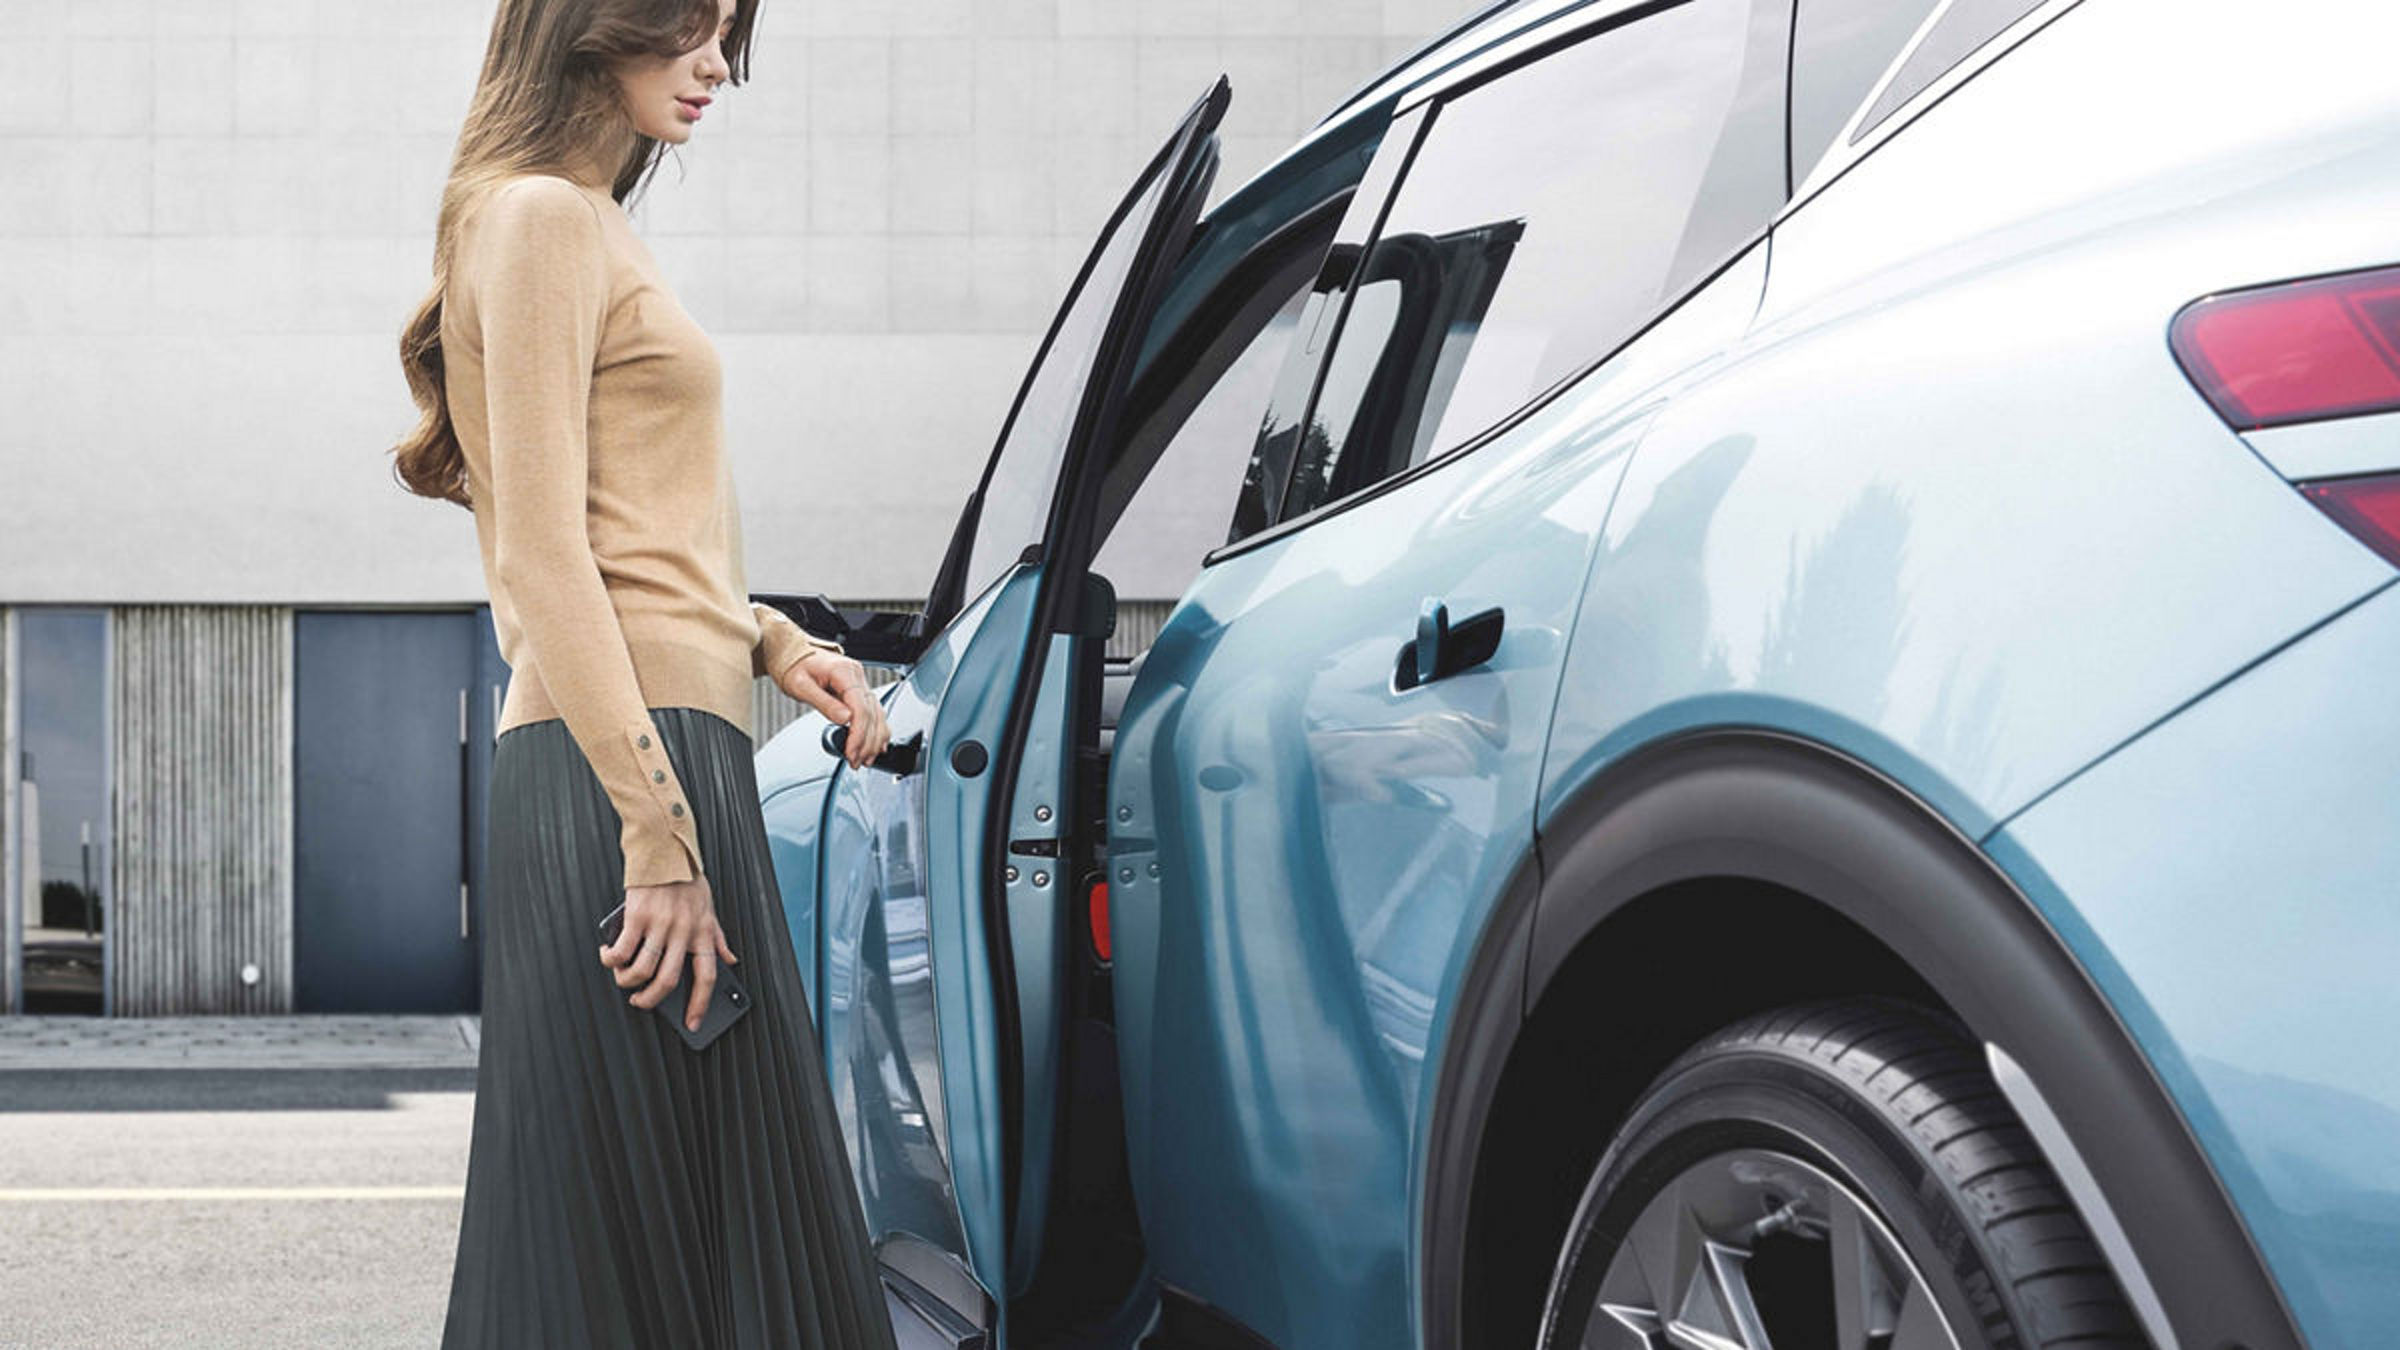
(196, 1182)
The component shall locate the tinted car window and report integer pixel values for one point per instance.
(1544, 217)
(1839, 49)
(1964, 27)
(1207, 362)
(1163, 507)
(1261, 501)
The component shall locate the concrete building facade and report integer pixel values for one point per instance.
(260, 672)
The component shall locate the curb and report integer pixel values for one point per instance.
(320, 1041)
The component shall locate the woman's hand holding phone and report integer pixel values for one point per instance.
(664, 924)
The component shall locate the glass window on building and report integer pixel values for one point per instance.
(63, 805)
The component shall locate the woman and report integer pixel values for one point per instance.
(623, 1190)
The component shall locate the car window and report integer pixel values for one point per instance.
(1277, 438)
(1374, 316)
(1957, 35)
(1167, 501)
(1839, 49)
(1367, 189)
(1207, 363)
(1024, 475)
(1544, 217)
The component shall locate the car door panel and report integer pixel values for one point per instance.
(879, 1010)
(1304, 846)
(1037, 899)
(1302, 851)
(938, 971)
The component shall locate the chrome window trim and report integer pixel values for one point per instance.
(1842, 154)
(1563, 28)
(1428, 66)
(1441, 70)
(1489, 16)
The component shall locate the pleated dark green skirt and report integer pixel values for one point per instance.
(626, 1191)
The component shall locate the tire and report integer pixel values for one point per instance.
(1819, 1174)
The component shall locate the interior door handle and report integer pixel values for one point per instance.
(1442, 648)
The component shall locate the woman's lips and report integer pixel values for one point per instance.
(690, 108)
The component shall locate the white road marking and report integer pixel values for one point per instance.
(52, 1193)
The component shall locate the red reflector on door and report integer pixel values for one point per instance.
(2367, 506)
(2295, 352)
(1100, 919)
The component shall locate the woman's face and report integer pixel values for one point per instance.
(664, 96)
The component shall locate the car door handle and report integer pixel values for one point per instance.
(1443, 648)
(899, 757)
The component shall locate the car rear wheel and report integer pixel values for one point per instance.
(1840, 1174)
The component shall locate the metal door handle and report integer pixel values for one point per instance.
(1442, 648)
(466, 819)
(899, 757)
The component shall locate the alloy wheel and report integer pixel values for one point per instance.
(1752, 1249)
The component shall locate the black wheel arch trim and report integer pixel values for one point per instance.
(1767, 806)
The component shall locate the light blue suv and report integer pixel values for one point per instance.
(1777, 725)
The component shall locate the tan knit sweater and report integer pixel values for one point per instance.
(588, 404)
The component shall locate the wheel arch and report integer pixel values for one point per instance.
(1583, 985)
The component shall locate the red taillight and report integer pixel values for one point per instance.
(1099, 904)
(2367, 506)
(2295, 352)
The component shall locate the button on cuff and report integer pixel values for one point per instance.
(650, 755)
(674, 818)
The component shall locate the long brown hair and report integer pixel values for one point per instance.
(547, 98)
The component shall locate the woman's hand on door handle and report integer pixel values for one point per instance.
(836, 685)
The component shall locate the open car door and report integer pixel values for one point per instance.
(944, 905)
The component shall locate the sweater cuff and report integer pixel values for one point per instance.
(782, 642)
(661, 843)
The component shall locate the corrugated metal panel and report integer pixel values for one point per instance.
(771, 710)
(201, 755)
(1138, 622)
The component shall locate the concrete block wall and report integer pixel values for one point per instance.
(216, 214)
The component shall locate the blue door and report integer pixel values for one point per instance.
(943, 901)
(392, 726)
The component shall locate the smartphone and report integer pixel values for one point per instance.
(725, 1005)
